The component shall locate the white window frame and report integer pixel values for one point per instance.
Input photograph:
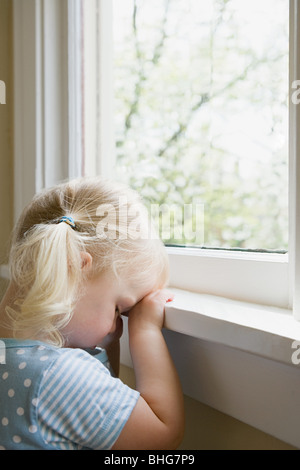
(48, 148)
(47, 133)
(294, 158)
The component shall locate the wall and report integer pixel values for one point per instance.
(209, 429)
(6, 130)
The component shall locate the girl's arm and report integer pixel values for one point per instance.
(157, 421)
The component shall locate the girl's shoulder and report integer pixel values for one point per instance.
(39, 356)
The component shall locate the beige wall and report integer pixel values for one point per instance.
(6, 128)
(208, 429)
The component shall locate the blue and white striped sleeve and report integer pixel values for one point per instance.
(81, 405)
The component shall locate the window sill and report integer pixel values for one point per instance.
(261, 330)
(265, 331)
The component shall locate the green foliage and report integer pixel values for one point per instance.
(201, 114)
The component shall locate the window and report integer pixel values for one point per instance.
(200, 101)
(190, 101)
(237, 106)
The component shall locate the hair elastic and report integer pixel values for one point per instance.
(68, 220)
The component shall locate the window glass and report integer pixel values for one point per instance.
(201, 117)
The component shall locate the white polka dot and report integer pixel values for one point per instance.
(35, 402)
(22, 365)
(21, 351)
(17, 439)
(2, 448)
(4, 421)
(32, 429)
(27, 383)
(43, 358)
(11, 392)
(41, 348)
(20, 411)
(5, 375)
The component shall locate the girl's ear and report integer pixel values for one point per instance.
(86, 261)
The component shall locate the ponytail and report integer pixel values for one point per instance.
(45, 255)
(46, 267)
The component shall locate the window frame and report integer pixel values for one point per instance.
(45, 152)
(294, 161)
(47, 104)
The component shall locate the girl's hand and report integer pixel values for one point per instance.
(150, 311)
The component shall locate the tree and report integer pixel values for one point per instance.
(184, 71)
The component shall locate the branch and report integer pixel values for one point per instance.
(205, 98)
(155, 59)
(159, 47)
(183, 126)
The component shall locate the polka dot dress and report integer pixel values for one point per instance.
(19, 383)
(60, 398)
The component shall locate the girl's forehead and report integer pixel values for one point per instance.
(125, 288)
(134, 293)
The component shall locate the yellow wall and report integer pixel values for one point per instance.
(6, 128)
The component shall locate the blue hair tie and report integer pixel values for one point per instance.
(68, 220)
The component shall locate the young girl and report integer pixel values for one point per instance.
(83, 254)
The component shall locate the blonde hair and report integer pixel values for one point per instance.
(111, 224)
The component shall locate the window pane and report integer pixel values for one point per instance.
(201, 117)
